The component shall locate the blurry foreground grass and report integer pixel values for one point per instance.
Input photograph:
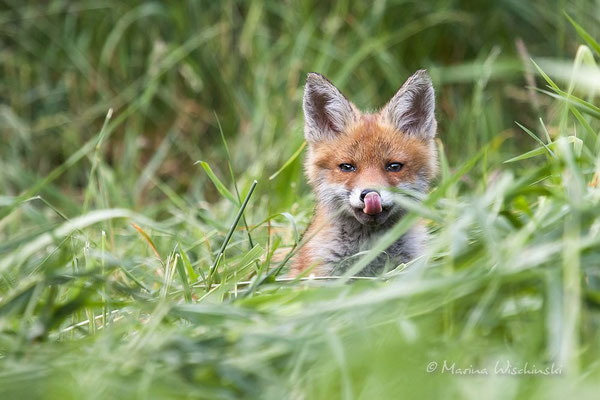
(126, 272)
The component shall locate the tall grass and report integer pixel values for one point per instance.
(140, 260)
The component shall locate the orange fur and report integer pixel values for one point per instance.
(371, 144)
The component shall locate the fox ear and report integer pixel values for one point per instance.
(412, 109)
(326, 111)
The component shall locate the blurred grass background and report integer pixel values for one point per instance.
(93, 306)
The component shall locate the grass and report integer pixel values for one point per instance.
(139, 258)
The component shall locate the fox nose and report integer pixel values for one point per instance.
(364, 193)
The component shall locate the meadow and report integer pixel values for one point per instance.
(152, 195)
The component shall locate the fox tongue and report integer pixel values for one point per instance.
(372, 203)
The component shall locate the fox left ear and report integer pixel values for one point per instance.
(412, 109)
(326, 111)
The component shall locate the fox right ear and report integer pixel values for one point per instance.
(326, 111)
(412, 109)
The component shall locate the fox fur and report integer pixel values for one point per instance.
(351, 153)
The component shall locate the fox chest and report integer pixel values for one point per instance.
(340, 251)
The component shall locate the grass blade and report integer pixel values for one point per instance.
(584, 35)
(537, 139)
(147, 238)
(215, 264)
(289, 161)
(218, 184)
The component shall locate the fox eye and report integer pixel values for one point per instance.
(347, 167)
(394, 167)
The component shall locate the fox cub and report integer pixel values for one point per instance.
(355, 161)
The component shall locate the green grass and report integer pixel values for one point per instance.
(138, 259)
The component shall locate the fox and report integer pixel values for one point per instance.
(355, 162)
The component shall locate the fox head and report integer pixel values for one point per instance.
(356, 160)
